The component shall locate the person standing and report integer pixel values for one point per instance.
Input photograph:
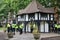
(56, 28)
(52, 26)
(31, 27)
(16, 28)
(21, 26)
(8, 27)
(13, 28)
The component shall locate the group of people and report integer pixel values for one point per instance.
(55, 27)
(19, 28)
(15, 27)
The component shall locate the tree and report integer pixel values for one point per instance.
(12, 6)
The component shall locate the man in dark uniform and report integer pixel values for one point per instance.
(8, 27)
(16, 27)
(21, 26)
(56, 28)
(13, 28)
(31, 27)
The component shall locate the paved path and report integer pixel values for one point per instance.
(29, 36)
(3, 36)
(26, 36)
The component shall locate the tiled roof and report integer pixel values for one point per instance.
(35, 6)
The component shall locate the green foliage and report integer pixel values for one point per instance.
(50, 3)
(15, 5)
(12, 6)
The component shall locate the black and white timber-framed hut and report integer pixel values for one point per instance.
(41, 15)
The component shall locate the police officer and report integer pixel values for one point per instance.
(56, 28)
(21, 26)
(59, 28)
(31, 27)
(13, 28)
(8, 27)
(35, 28)
(16, 28)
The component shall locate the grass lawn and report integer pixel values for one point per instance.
(1, 28)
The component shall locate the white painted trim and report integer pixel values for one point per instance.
(51, 18)
(19, 16)
(27, 17)
(42, 27)
(48, 16)
(28, 28)
(39, 16)
(18, 19)
(51, 15)
(46, 27)
(36, 16)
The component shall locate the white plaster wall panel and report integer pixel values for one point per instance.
(48, 16)
(46, 27)
(39, 16)
(41, 27)
(26, 17)
(36, 16)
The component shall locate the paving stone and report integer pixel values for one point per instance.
(29, 36)
(3, 36)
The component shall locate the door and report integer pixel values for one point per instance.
(46, 27)
(28, 28)
(42, 27)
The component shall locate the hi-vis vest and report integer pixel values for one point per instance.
(8, 25)
(56, 25)
(16, 26)
(34, 26)
(13, 25)
(59, 26)
(31, 25)
(21, 26)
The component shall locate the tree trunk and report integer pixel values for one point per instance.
(56, 14)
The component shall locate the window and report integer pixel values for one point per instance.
(43, 15)
(51, 17)
(31, 16)
(21, 18)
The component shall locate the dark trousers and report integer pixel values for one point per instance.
(13, 29)
(8, 29)
(17, 29)
(31, 30)
(20, 30)
(52, 29)
(56, 30)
